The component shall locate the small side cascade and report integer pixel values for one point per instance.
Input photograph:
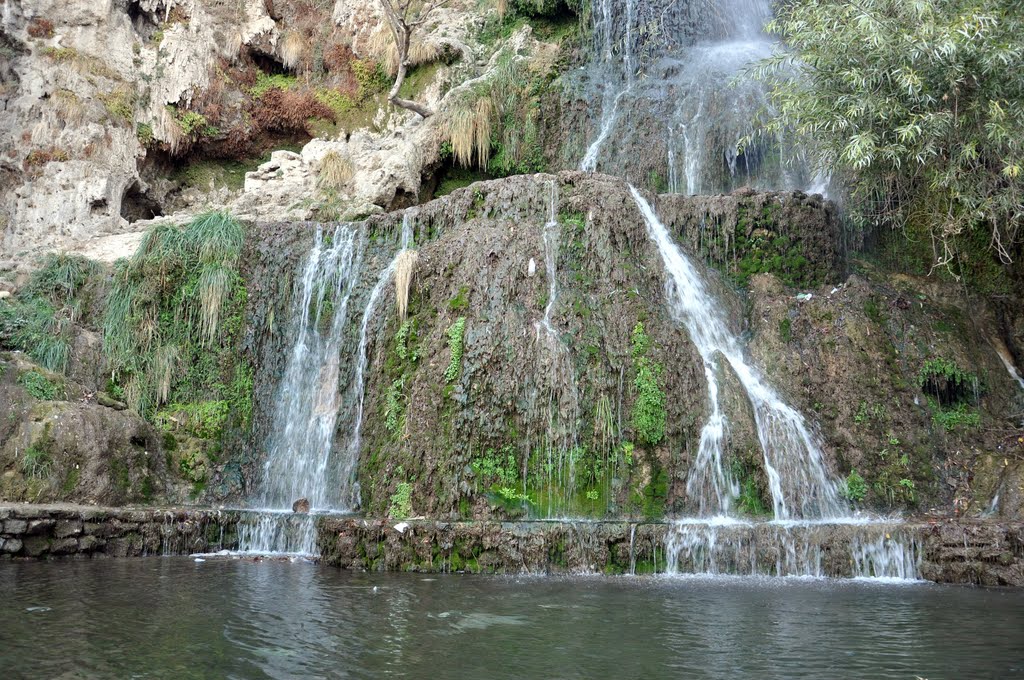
(1004, 356)
(559, 393)
(618, 81)
(806, 503)
(351, 460)
(792, 458)
(885, 554)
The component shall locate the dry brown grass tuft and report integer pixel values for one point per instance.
(293, 50)
(469, 128)
(405, 268)
(334, 171)
(69, 107)
(381, 46)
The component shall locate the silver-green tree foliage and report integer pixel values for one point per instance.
(918, 103)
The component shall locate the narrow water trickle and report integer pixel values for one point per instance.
(558, 380)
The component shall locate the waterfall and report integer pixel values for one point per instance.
(683, 63)
(559, 379)
(797, 479)
(804, 499)
(299, 460)
(298, 463)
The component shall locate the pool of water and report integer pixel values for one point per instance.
(178, 618)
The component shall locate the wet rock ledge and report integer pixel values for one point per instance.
(961, 552)
(41, 532)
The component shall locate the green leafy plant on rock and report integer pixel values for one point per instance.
(456, 340)
(649, 413)
(38, 385)
(854, 488)
(401, 501)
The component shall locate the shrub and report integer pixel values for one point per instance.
(288, 111)
(40, 28)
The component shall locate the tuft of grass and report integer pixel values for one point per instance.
(405, 267)
(35, 463)
(334, 171)
(293, 50)
(166, 310)
(120, 104)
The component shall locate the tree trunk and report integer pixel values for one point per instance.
(401, 31)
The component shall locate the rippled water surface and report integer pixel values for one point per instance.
(177, 618)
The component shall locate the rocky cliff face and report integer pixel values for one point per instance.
(121, 111)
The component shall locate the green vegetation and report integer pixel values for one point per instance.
(120, 104)
(38, 385)
(496, 126)
(461, 300)
(39, 320)
(35, 463)
(393, 405)
(455, 334)
(499, 467)
(649, 409)
(173, 318)
(854, 488)
(194, 125)
(203, 419)
(401, 500)
(958, 417)
(266, 82)
(918, 103)
(947, 383)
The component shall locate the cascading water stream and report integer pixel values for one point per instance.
(298, 460)
(805, 501)
(797, 479)
(683, 63)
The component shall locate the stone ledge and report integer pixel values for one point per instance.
(963, 552)
(49, 531)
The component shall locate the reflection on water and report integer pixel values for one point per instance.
(176, 618)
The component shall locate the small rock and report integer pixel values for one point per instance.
(11, 546)
(104, 399)
(39, 526)
(67, 527)
(301, 505)
(531, 269)
(15, 526)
